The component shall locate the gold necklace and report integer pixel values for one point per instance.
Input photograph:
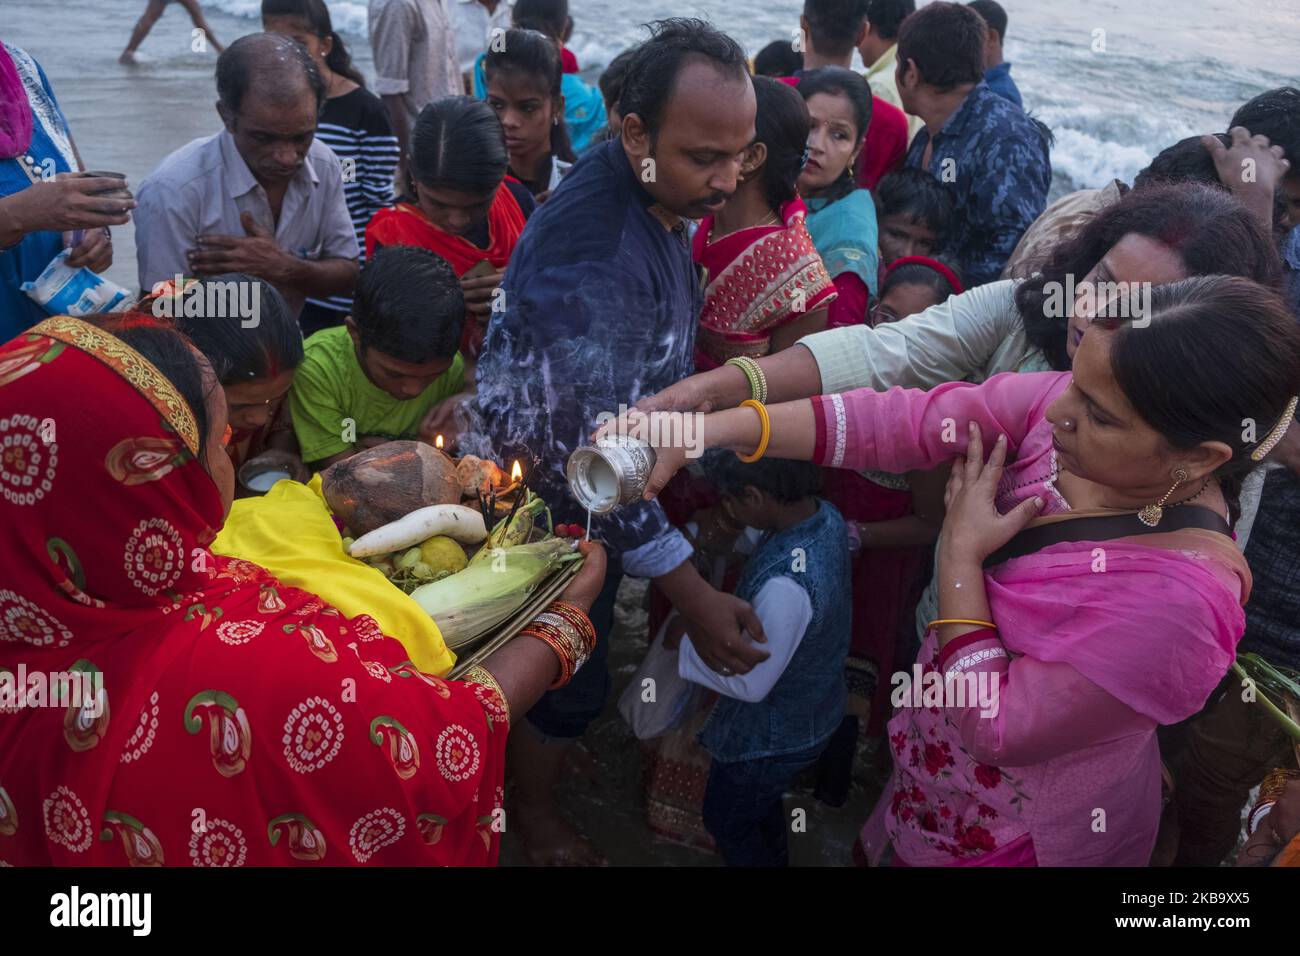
(771, 219)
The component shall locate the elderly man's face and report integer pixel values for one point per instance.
(273, 134)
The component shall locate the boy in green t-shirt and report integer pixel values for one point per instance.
(392, 371)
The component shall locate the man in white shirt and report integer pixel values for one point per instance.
(263, 196)
(415, 61)
(474, 21)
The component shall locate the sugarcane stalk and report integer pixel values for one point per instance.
(1289, 726)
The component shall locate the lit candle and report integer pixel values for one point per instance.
(516, 472)
(437, 442)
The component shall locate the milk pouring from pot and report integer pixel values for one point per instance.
(612, 472)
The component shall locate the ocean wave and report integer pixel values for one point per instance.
(348, 17)
(1086, 161)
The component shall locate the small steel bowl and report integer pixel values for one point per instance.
(251, 471)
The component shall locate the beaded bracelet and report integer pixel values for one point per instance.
(564, 640)
(577, 617)
(754, 373)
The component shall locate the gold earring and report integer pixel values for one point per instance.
(1151, 514)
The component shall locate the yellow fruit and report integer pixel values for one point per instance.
(443, 554)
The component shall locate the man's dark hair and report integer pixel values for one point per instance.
(779, 58)
(1186, 160)
(547, 16)
(946, 42)
(833, 25)
(916, 194)
(886, 16)
(786, 480)
(408, 304)
(615, 75)
(994, 16)
(272, 63)
(1275, 114)
(653, 72)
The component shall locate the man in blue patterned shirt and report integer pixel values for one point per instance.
(991, 157)
(601, 302)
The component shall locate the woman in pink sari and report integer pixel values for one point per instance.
(1072, 641)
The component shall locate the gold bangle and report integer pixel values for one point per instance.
(478, 674)
(766, 435)
(958, 620)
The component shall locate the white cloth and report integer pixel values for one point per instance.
(657, 696)
(1252, 489)
(970, 337)
(785, 612)
(474, 26)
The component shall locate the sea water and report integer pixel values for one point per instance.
(1116, 82)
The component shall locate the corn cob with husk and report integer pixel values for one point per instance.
(467, 605)
(515, 529)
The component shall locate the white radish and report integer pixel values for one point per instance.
(455, 521)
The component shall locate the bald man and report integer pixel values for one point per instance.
(262, 196)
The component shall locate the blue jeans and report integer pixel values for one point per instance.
(568, 712)
(743, 809)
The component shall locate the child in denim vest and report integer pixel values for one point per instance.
(775, 720)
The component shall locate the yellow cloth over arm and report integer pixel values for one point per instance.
(289, 531)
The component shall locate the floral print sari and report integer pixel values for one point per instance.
(226, 719)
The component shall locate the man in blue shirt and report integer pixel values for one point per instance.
(997, 72)
(990, 156)
(600, 306)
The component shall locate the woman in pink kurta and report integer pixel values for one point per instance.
(1077, 708)
(1094, 643)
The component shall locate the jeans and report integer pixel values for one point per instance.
(568, 711)
(744, 811)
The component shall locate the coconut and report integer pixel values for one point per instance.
(475, 474)
(386, 482)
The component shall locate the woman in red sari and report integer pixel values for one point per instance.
(766, 285)
(229, 720)
(460, 204)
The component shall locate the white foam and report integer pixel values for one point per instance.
(347, 17)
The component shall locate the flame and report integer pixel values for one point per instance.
(516, 472)
(437, 442)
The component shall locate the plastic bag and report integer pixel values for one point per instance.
(60, 290)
